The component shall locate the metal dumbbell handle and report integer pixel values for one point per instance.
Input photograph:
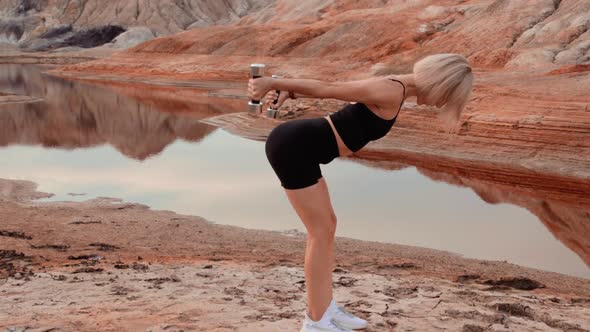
(270, 111)
(274, 102)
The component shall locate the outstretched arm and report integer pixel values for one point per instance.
(373, 91)
(300, 95)
(323, 89)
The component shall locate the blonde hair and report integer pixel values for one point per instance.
(444, 79)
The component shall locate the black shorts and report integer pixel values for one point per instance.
(296, 148)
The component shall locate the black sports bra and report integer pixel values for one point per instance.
(357, 125)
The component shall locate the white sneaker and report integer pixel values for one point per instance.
(344, 318)
(319, 326)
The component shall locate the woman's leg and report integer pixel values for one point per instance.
(314, 208)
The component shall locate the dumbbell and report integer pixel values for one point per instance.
(256, 71)
(270, 112)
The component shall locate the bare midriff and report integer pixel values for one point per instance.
(343, 150)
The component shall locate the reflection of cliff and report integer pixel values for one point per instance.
(196, 98)
(562, 204)
(22, 80)
(76, 115)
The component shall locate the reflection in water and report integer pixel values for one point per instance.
(76, 115)
(561, 204)
(226, 171)
(569, 222)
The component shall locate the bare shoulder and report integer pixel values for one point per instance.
(378, 91)
(388, 94)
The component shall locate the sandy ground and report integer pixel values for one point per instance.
(109, 265)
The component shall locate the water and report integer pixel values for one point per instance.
(148, 148)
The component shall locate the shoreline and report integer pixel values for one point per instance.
(99, 256)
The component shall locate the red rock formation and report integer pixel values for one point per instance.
(491, 33)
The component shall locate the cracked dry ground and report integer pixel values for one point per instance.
(109, 265)
(224, 296)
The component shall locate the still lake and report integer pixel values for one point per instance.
(93, 141)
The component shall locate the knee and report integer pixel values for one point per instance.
(325, 230)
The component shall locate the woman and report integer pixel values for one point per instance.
(296, 148)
